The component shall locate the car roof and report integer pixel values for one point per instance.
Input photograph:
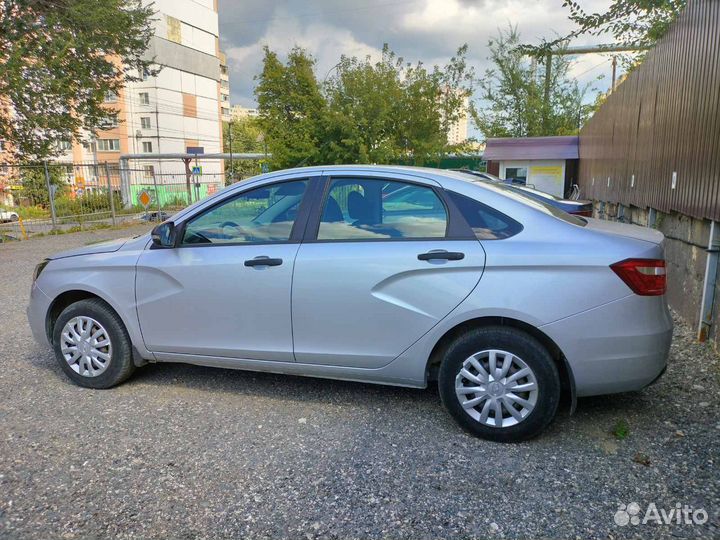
(494, 194)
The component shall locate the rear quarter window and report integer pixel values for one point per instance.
(487, 223)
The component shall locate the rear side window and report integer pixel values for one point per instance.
(487, 223)
(372, 209)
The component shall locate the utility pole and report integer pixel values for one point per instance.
(546, 97)
(568, 51)
(230, 124)
(614, 71)
(188, 176)
(51, 195)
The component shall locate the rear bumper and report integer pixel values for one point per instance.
(617, 347)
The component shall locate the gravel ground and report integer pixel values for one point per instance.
(191, 452)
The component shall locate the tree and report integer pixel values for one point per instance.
(243, 136)
(639, 22)
(59, 59)
(34, 184)
(512, 94)
(367, 112)
(290, 105)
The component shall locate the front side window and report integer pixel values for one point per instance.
(261, 215)
(364, 209)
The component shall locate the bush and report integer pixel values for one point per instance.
(89, 203)
(28, 212)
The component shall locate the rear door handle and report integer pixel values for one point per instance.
(263, 261)
(446, 255)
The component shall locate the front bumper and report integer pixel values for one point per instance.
(618, 347)
(37, 314)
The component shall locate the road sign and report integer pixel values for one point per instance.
(197, 170)
(144, 198)
(195, 150)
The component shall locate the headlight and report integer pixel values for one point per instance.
(39, 268)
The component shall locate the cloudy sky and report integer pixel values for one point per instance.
(425, 30)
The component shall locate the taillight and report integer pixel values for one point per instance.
(645, 277)
(583, 213)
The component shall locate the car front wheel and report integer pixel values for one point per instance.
(92, 345)
(500, 384)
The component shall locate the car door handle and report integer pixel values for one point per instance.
(446, 255)
(263, 261)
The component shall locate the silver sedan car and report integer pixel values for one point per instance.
(390, 275)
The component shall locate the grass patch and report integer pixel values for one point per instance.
(621, 430)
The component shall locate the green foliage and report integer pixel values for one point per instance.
(28, 212)
(638, 22)
(291, 106)
(512, 94)
(58, 61)
(88, 203)
(247, 137)
(34, 185)
(367, 112)
(621, 430)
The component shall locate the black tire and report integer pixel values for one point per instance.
(525, 347)
(121, 364)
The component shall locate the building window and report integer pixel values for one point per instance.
(145, 122)
(224, 97)
(144, 98)
(148, 171)
(111, 97)
(2, 146)
(173, 29)
(110, 122)
(109, 145)
(145, 74)
(64, 146)
(147, 147)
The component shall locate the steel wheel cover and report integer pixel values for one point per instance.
(496, 388)
(86, 346)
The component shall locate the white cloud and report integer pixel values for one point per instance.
(418, 30)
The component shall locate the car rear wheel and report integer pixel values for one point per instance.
(500, 384)
(92, 345)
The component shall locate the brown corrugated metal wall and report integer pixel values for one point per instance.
(664, 118)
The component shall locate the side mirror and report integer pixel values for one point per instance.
(164, 235)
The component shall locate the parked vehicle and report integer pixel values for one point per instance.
(390, 275)
(8, 215)
(157, 215)
(578, 208)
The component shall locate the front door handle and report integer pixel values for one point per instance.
(445, 255)
(263, 261)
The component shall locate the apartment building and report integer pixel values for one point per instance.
(180, 107)
(177, 108)
(238, 111)
(458, 131)
(224, 89)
